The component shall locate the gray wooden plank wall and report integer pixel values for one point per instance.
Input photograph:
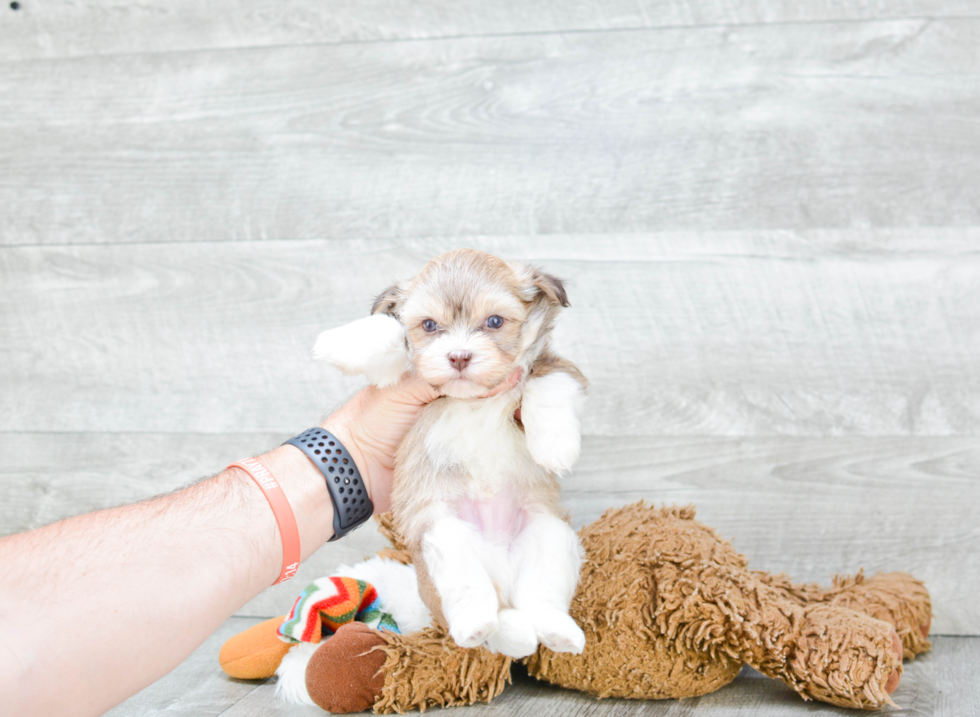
(69, 29)
(721, 128)
(768, 214)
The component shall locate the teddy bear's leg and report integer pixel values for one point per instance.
(845, 658)
(634, 648)
(669, 609)
(360, 668)
(823, 651)
(897, 598)
(255, 653)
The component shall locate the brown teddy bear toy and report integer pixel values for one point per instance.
(669, 610)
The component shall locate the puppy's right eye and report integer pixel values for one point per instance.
(429, 325)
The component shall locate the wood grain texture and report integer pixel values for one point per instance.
(66, 29)
(810, 507)
(939, 684)
(808, 126)
(833, 333)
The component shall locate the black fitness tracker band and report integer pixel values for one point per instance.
(351, 505)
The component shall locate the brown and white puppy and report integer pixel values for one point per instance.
(475, 493)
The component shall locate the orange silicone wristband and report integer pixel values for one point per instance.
(281, 509)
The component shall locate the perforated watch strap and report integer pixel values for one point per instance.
(351, 505)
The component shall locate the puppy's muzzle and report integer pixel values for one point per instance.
(459, 360)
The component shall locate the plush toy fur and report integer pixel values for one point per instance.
(669, 610)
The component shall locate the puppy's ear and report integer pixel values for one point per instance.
(387, 300)
(537, 284)
(552, 287)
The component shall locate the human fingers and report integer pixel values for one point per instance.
(507, 384)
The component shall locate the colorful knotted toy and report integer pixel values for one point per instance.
(328, 603)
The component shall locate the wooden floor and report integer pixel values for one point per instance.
(768, 214)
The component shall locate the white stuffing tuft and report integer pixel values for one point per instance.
(291, 686)
(398, 590)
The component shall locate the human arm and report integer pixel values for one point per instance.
(96, 607)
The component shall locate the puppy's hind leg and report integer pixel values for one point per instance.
(547, 558)
(451, 552)
(516, 637)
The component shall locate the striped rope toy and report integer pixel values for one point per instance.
(327, 603)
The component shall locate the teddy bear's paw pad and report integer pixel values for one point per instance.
(557, 631)
(471, 628)
(515, 637)
(892, 684)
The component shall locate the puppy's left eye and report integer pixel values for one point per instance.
(494, 322)
(429, 325)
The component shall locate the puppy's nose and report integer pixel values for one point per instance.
(460, 359)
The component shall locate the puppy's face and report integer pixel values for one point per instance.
(471, 319)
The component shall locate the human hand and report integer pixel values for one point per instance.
(373, 423)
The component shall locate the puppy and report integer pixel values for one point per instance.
(475, 493)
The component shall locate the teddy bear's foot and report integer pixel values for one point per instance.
(845, 658)
(897, 598)
(344, 675)
(515, 637)
(254, 654)
(557, 631)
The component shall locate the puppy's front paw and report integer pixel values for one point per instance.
(557, 631)
(550, 408)
(515, 637)
(555, 447)
(374, 346)
(470, 627)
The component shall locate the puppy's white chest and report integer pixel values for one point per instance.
(483, 438)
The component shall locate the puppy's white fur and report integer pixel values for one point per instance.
(374, 346)
(461, 565)
(483, 436)
(515, 637)
(550, 411)
(475, 495)
(547, 564)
